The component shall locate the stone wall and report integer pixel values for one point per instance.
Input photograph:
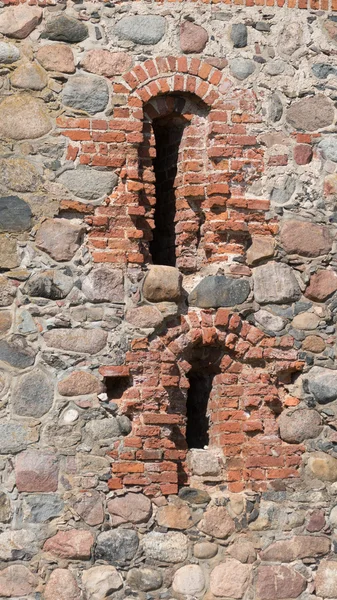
(102, 495)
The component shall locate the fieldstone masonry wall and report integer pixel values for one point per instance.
(101, 498)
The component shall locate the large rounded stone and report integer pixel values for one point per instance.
(243, 550)
(19, 21)
(311, 114)
(103, 429)
(299, 425)
(230, 579)
(75, 544)
(88, 183)
(17, 353)
(19, 175)
(298, 547)
(86, 92)
(65, 29)
(50, 284)
(60, 238)
(162, 283)
(275, 282)
(241, 68)
(29, 76)
(174, 516)
(62, 585)
(23, 117)
(217, 522)
(16, 214)
(56, 57)
(16, 580)
(108, 64)
(131, 508)
(104, 284)
(89, 507)
(141, 29)
(33, 394)
(8, 254)
(144, 579)
(79, 383)
(269, 321)
(322, 285)
(117, 547)
(279, 582)
(189, 580)
(193, 37)
(326, 579)
(36, 471)
(262, 247)
(205, 550)
(306, 239)
(101, 581)
(89, 341)
(144, 316)
(168, 547)
(216, 290)
(8, 53)
(290, 38)
(23, 543)
(194, 495)
(322, 384)
(313, 343)
(323, 466)
(328, 148)
(306, 320)
(41, 508)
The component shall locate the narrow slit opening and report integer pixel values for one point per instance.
(197, 425)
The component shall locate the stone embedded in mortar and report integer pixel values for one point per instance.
(17, 580)
(23, 117)
(328, 148)
(243, 550)
(86, 92)
(19, 175)
(241, 68)
(162, 284)
(323, 70)
(104, 284)
(290, 38)
(108, 64)
(56, 57)
(169, 547)
(8, 253)
(269, 321)
(298, 547)
(89, 341)
(75, 544)
(117, 547)
(305, 239)
(16, 214)
(275, 282)
(20, 544)
(306, 320)
(104, 429)
(230, 579)
(144, 316)
(13, 437)
(215, 291)
(88, 183)
(326, 579)
(239, 35)
(205, 550)
(41, 508)
(65, 29)
(276, 582)
(141, 29)
(50, 284)
(299, 425)
(262, 247)
(322, 285)
(323, 466)
(79, 383)
(311, 114)
(5, 508)
(60, 238)
(33, 394)
(302, 154)
(29, 76)
(144, 579)
(203, 462)
(174, 516)
(330, 28)
(275, 108)
(8, 53)
(89, 507)
(189, 580)
(194, 495)
(193, 37)
(131, 508)
(7, 291)
(313, 343)
(282, 193)
(322, 384)
(36, 471)
(217, 522)
(16, 352)
(19, 21)
(62, 585)
(101, 581)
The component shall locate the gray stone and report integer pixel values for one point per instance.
(216, 290)
(144, 579)
(104, 284)
(13, 437)
(241, 68)
(18, 175)
(328, 148)
(322, 384)
(189, 580)
(7, 291)
(239, 35)
(194, 496)
(282, 193)
(16, 214)
(275, 282)
(269, 321)
(16, 353)
(8, 253)
(103, 429)
(29, 76)
(275, 67)
(65, 29)
(168, 547)
(99, 582)
(41, 508)
(311, 114)
(23, 117)
(203, 462)
(8, 53)
(117, 547)
(299, 424)
(50, 284)
(33, 394)
(89, 341)
(60, 238)
(5, 508)
(205, 550)
(141, 29)
(19, 21)
(86, 92)
(20, 544)
(290, 38)
(275, 108)
(322, 70)
(88, 183)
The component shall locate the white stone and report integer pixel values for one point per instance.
(189, 580)
(101, 581)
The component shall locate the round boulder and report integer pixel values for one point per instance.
(162, 283)
(299, 425)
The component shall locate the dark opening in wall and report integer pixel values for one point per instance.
(168, 132)
(116, 386)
